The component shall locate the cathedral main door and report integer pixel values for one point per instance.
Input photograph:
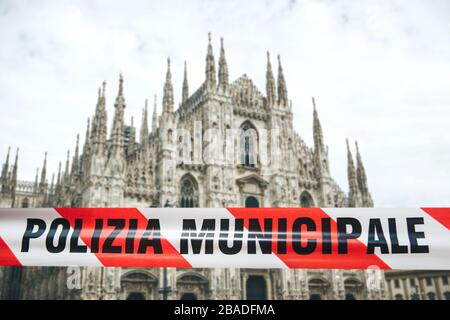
(188, 296)
(256, 288)
(135, 296)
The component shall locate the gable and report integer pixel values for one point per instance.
(245, 94)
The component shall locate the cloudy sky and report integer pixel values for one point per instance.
(380, 72)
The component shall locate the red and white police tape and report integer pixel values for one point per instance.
(333, 238)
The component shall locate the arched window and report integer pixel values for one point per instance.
(188, 192)
(25, 203)
(251, 202)
(248, 145)
(398, 296)
(306, 200)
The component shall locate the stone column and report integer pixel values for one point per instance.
(338, 284)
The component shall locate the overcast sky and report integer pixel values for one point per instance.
(380, 72)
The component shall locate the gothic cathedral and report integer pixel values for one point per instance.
(226, 145)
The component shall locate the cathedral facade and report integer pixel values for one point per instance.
(226, 145)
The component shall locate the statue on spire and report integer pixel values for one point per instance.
(185, 93)
(361, 178)
(270, 83)
(58, 180)
(353, 193)
(223, 69)
(44, 170)
(15, 167)
(86, 146)
(210, 67)
(143, 139)
(99, 124)
(75, 171)
(168, 101)
(317, 130)
(14, 178)
(118, 121)
(154, 117)
(320, 152)
(4, 176)
(66, 170)
(103, 89)
(282, 90)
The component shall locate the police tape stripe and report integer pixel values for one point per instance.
(344, 238)
(12, 224)
(7, 257)
(170, 227)
(170, 258)
(442, 215)
(318, 259)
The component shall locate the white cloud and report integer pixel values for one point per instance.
(380, 72)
